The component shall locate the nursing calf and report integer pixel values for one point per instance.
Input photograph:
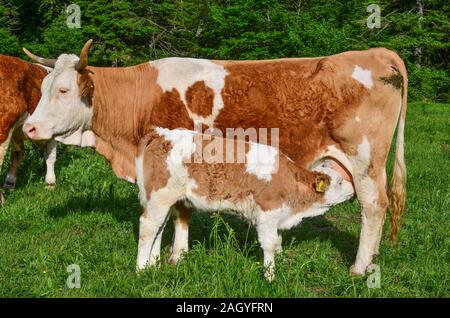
(267, 189)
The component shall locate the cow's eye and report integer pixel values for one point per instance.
(63, 90)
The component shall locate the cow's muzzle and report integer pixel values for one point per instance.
(30, 131)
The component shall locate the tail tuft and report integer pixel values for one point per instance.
(397, 190)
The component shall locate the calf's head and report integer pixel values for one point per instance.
(340, 189)
(64, 106)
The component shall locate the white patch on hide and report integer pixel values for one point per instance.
(363, 76)
(261, 161)
(181, 73)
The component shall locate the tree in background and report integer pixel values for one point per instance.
(128, 32)
(9, 22)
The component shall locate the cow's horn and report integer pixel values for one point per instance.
(83, 62)
(40, 60)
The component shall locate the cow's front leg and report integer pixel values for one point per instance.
(3, 148)
(152, 223)
(371, 191)
(180, 244)
(50, 159)
(17, 154)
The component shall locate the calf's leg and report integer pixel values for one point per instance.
(270, 243)
(180, 244)
(279, 247)
(152, 223)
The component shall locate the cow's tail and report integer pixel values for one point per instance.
(397, 190)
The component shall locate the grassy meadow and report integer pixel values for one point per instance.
(91, 219)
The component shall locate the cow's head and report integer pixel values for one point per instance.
(64, 107)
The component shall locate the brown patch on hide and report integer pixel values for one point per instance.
(154, 150)
(120, 155)
(20, 91)
(396, 80)
(200, 99)
(86, 86)
(169, 112)
(183, 215)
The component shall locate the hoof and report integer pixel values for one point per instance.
(173, 260)
(9, 185)
(355, 271)
(50, 186)
(269, 276)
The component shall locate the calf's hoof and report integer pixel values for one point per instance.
(357, 271)
(269, 277)
(173, 260)
(269, 274)
(50, 186)
(176, 257)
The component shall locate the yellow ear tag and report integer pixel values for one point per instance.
(320, 187)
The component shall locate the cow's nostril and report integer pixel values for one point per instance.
(29, 130)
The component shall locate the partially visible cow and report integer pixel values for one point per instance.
(267, 188)
(20, 84)
(345, 107)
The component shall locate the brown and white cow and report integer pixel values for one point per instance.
(345, 107)
(266, 188)
(20, 90)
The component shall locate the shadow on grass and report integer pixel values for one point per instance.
(33, 168)
(126, 208)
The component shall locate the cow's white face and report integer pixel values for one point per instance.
(61, 110)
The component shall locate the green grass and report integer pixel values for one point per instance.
(91, 219)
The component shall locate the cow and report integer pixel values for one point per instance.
(266, 188)
(19, 94)
(345, 107)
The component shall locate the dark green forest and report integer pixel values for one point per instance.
(128, 32)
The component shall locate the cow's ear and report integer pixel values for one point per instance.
(85, 86)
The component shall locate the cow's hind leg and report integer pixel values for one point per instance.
(180, 244)
(370, 185)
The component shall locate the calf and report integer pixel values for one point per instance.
(267, 189)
